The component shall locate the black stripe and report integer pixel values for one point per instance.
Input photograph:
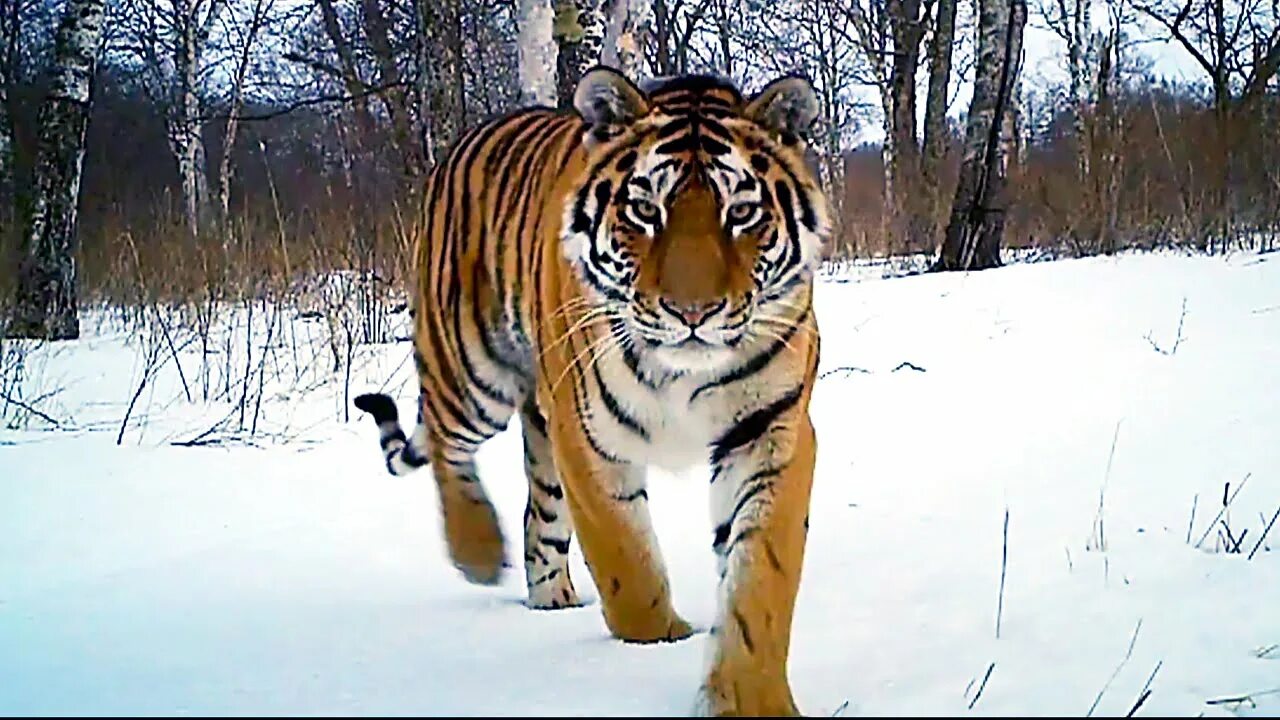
(806, 208)
(393, 436)
(545, 515)
(751, 427)
(554, 491)
(482, 329)
(531, 416)
(409, 455)
(676, 146)
(560, 546)
(624, 418)
(640, 494)
(755, 485)
(788, 212)
(755, 364)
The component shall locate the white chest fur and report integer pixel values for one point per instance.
(674, 422)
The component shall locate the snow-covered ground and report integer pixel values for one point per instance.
(283, 572)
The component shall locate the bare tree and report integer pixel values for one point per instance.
(1237, 45)
(621, 48)
(169, 42)
(46, 306)
(248, 36)
(671, 34)
(935, 111)
(10, 28)
(1235, 42)
(440, 77)
(901, 151)
(537, 50)
(579, 33)
(978, 213)
(392, 90)
(1070, 21)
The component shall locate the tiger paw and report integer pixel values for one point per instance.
(554, 595)
(475, 541)
(747, 695)
(669, 629)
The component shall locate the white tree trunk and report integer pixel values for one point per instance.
(46, 302)
(1078, 78)
(184, 131)
(621, 41)
(977, 214)
(255, 23)
(537, 50)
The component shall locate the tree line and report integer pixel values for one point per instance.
(164, 149)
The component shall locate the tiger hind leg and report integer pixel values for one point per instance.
(547, 528)
(471, 528)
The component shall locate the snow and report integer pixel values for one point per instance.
(286, 573)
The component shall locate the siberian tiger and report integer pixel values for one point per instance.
(635, 279)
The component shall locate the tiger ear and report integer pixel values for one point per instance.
(606, 97)
(786, 105)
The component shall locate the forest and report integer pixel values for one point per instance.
(235, 146)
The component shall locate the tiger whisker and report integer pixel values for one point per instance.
(577, 358)
(587, 320)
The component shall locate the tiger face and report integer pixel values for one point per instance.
(699, 221)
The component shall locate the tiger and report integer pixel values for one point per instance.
(634, 276)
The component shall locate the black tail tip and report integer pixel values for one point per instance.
(381, 407)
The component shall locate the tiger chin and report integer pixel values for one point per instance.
(633, 278)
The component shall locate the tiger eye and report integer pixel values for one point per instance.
(741, 212)
(646, 211)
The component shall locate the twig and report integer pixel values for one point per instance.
(1099, 520)
(982, 686)
(844, 369)
(1232, 544)
(1177, 340)
(1192, 522)
(1146, 691)
(30, 409)
(1116, 672)
(173, 350)
(1004, 562)
(840, 709)
(319, 100)
(1225, 505)
(1243, 698)
(909, 366)
(1264, 534)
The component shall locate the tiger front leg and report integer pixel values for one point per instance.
(760, 498)
(609, 507)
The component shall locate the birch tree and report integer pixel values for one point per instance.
(440, 80)
(537, 50)
(248, 37)
(45, 306)
(977, 214)
(621, 41)
(579, 32)
(1071, 21)
(169, 43)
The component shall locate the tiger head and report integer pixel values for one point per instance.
(699, 221)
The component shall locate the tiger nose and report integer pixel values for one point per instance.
(693, 314)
